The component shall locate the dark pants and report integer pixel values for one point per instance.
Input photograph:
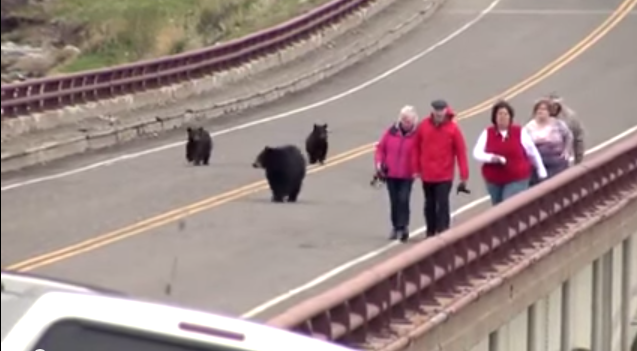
(399, 197)
(437, 207)
(551, 170)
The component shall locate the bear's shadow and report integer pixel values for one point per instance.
(221, 165)
(267, 200)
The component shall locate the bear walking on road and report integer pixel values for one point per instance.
(199, 146)
(285, 170)
(316, 144)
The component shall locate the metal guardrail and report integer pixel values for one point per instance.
(56, 92)
(373, 309)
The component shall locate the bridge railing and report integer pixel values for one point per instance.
(421, 288)
(55, 92)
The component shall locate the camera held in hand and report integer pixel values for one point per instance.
(463, 189)
(380, 176)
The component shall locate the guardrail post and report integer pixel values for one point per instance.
(607, 301)
(565, 319)
(494, 340)
(602, 302)
(531, 328)
(596, 320)
(627, 283)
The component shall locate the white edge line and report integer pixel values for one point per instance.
(538, 12)
(283, 115)
(348, 265)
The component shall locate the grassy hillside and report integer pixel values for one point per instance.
(110, 32)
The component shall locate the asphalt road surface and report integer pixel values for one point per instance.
(235, 251)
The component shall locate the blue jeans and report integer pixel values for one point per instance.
(399, 198)
(499, 193)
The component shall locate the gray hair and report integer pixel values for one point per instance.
(566, 110)
(409, 112)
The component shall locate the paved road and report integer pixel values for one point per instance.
(239, 254)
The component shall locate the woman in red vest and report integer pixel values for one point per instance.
(508, 155)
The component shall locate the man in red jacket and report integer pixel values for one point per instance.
(438, 145)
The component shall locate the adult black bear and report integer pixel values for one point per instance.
(285, 169)
(199, 146)
(316, 144)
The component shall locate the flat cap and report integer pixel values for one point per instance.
(439, 105)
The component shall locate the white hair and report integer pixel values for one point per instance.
(408, 112)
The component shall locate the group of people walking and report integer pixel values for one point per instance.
(514, 157)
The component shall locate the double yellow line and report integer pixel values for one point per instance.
(175, 215)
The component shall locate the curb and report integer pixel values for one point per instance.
(121, 134)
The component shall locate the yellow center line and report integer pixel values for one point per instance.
(175, 215)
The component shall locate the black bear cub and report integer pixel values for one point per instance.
(198, 146)
(316, 144)
(285, 169)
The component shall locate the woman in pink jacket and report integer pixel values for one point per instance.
(393, 161)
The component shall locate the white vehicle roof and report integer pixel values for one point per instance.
(22, 282)
(45, 317)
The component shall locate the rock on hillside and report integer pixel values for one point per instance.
(24, 61)
(9, 22)
(28, 60)
(32, 58)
